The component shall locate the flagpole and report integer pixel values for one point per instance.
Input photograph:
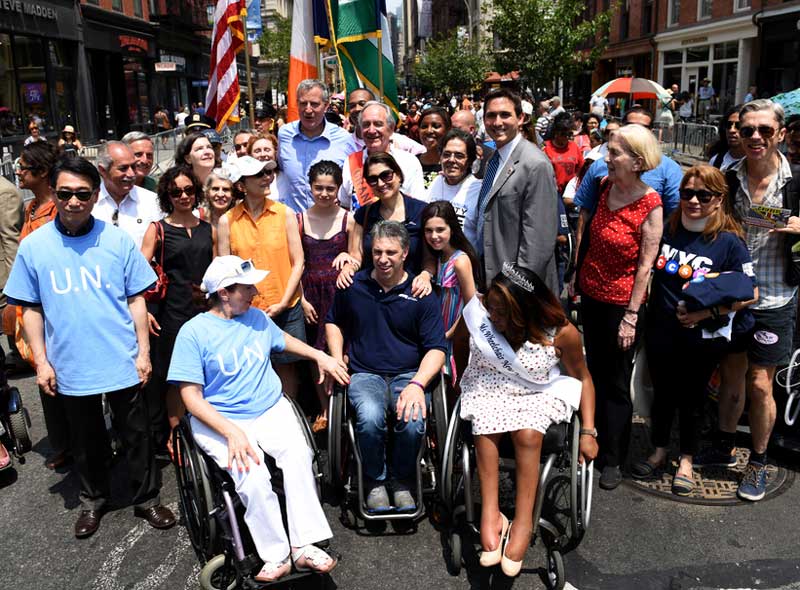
(249, 78)
(380, 63)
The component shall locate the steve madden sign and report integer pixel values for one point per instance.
(28, 9)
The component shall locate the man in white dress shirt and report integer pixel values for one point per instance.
(377, 126)
(121, 202)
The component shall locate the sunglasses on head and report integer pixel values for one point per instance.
(176, 192)
(765, 131)
(66, 195)
(385, 177)
(703, 196)
(242, 269)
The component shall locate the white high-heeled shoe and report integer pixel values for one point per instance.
(491, 558)
(510, 567)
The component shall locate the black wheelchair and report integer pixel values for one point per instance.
(345, 470)
(562, 509)
(213, 513)
(14, 420)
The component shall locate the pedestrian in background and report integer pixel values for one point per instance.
(434, 123)
(68, 143)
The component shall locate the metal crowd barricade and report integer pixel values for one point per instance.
(686, 139)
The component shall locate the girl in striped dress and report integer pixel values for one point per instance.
(457, 276)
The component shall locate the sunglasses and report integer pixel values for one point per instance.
(703, 196)
(66, 195)
(25, 168)
(240, 270)
(765, 131)
(731, 124)
(260, 173)
(385, 177)
(176, 192)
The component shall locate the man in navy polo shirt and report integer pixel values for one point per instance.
(396, 346)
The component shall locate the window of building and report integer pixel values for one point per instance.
(29, 56)
(11, 118)
(694, 54)
(624, 21)
(647, 17)
(137, 8)
(704, 9)
(673, 57)
(117, 5)
(674, 16)
(728, 50)
(741, 4)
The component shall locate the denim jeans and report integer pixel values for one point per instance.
(372, 397)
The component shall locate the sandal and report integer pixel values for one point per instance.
(5, 461)
(314, 560)
(645, 469)
(273, 571)
(320, 424)
(682, 485)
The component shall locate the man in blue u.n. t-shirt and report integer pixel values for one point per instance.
(80, 282)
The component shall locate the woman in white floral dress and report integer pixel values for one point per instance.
(513, 384)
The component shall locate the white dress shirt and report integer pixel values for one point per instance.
(134, 213)
(413, 183)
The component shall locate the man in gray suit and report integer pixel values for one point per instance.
(517, 212)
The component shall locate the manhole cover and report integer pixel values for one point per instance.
(713, 485)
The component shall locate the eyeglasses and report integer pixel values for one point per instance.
(703, 196)
(176, 192)
(458, 156)
(358, 103)
(765, 131)
(385, 177)
(66, 195)
(241, 146)
(731, 124)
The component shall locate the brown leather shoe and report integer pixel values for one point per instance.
(87, 524)
(159, 517)
(58, 460)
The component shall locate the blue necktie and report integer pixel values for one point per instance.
(486, 188)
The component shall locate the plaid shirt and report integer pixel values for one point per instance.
(766, 249)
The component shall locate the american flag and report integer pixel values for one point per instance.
(222, 98)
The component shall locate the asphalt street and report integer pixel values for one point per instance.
(635, 541)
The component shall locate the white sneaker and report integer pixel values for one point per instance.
(403, 500)
(378, 499)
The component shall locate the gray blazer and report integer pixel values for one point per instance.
(11, 217)
(521, 219)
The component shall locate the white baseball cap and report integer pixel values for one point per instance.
(225, 271)
(249, 166)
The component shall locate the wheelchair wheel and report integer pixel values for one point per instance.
(555, 576)
(196, 495)
(452, 480)
(581, 477)
(338, 440)
(439, 419)
(18, 424)
(217, 574)
(452, 556)
(309, 436)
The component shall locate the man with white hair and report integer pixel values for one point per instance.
(377, 126)
(310, 139)
(142, 147)
(121, 202)
(555, 107)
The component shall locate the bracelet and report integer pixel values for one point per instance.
(589, 432)
(418, 384)
(630, 323)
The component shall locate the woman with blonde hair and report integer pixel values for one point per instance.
(686, 331)
(615, 256)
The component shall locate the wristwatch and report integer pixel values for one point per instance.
(589, 431)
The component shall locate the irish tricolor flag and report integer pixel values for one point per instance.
(358, 24)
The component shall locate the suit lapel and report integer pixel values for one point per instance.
(506, 172)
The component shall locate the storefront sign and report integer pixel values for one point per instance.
(133, 44)
(694, 41)
(166, 66)
(178, 62)
(28, 8)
